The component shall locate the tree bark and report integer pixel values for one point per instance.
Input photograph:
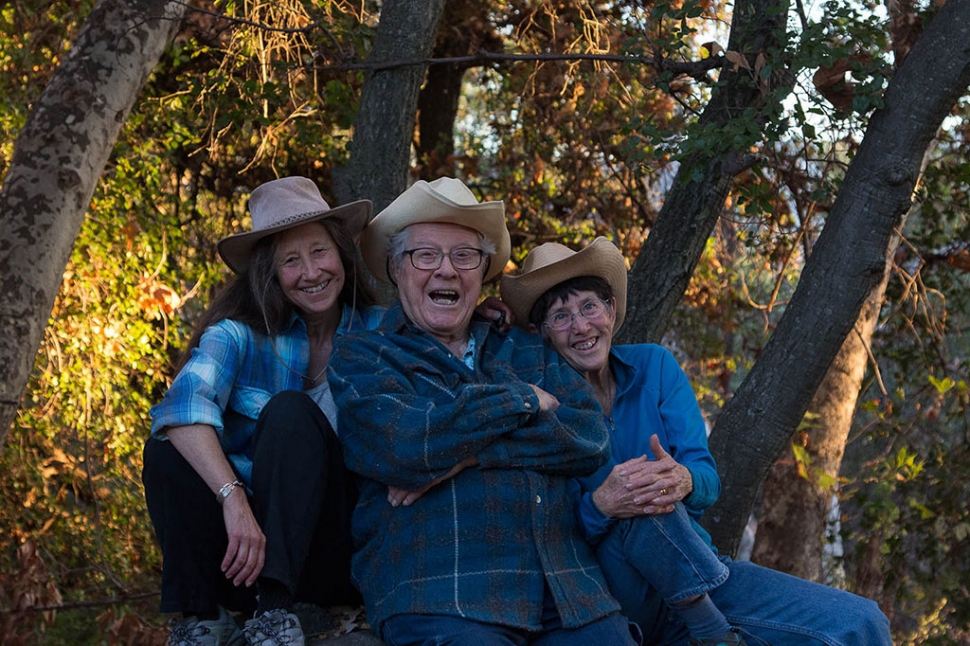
(380, 153)
(846, 266)
(794, 507)
(438, 109)
(58, 158)
(663, 268)
(465, 31)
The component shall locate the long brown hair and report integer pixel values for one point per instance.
(254, 297)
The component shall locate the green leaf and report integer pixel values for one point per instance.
(942, 385)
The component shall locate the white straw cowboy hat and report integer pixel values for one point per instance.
(445, 200)
(552, 263)
(283, 204)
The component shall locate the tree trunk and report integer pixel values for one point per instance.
(694, 203)
(846, 267)
(465, 30)
(58, 158)
(438, 108)
(797, 498)
(794, 507)
(380, 154)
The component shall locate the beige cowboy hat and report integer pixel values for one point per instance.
(282, 204)
(444, 200)
(552, 263)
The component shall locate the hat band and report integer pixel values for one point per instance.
(292, 218)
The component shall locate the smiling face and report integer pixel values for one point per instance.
(585, 344)
(309, 270)
(440, 301)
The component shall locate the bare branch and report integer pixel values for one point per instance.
(92, 603)
(694, 69)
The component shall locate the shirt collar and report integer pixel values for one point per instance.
(349, 321)
(396, 321)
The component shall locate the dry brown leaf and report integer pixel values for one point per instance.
(737, 61)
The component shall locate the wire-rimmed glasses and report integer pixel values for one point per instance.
(563, 319)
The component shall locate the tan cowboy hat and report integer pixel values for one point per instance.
(552, 263)
(282, 204)
(444, 200)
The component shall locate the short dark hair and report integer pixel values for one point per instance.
(565, 289)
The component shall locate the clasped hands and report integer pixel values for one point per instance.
(641, 487)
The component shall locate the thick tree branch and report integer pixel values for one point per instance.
(663, 269)
(846, 264)
(58, 159)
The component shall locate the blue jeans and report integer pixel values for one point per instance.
(653, 561)
(448, 630)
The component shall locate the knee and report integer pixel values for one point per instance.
(288, 403)
(291, 420)
(873, 621)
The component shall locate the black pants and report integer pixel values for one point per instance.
(302, 498)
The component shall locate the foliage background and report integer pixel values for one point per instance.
(576, 149)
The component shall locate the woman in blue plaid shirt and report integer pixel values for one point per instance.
(244, 478)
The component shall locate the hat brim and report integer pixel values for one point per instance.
(236, 249)
(601, 258)
(420, 204)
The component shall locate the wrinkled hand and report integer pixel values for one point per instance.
(398, 497)
(626, 490)
(246, 552)
(673, 481)
(547, 401)
(497, 312)
(644, 487)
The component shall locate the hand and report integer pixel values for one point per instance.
(624, 495)
(496, 311)
(547, 401)
(398, 497)
(673, 481)
(644, 487)
(246, 552)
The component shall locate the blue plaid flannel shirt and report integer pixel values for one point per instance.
(233, 373)
(486, 543)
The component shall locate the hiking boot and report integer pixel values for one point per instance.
(731, 638)
(274, 628)
(192, 631)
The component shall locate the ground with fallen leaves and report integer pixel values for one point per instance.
(335, 626)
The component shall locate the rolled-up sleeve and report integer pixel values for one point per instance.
(201, 390)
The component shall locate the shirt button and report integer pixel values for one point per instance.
(528, 405)
(538, 500)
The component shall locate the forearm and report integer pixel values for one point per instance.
(199, 445)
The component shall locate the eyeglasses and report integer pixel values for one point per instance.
(563, 320)
(428, 258)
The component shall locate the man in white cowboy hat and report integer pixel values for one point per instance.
(641, 514)
(243, 474)
(466, 438)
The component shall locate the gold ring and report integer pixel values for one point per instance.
(663, 491)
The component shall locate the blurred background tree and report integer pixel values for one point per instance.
(533, 107)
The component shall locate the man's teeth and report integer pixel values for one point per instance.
(444, 297)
